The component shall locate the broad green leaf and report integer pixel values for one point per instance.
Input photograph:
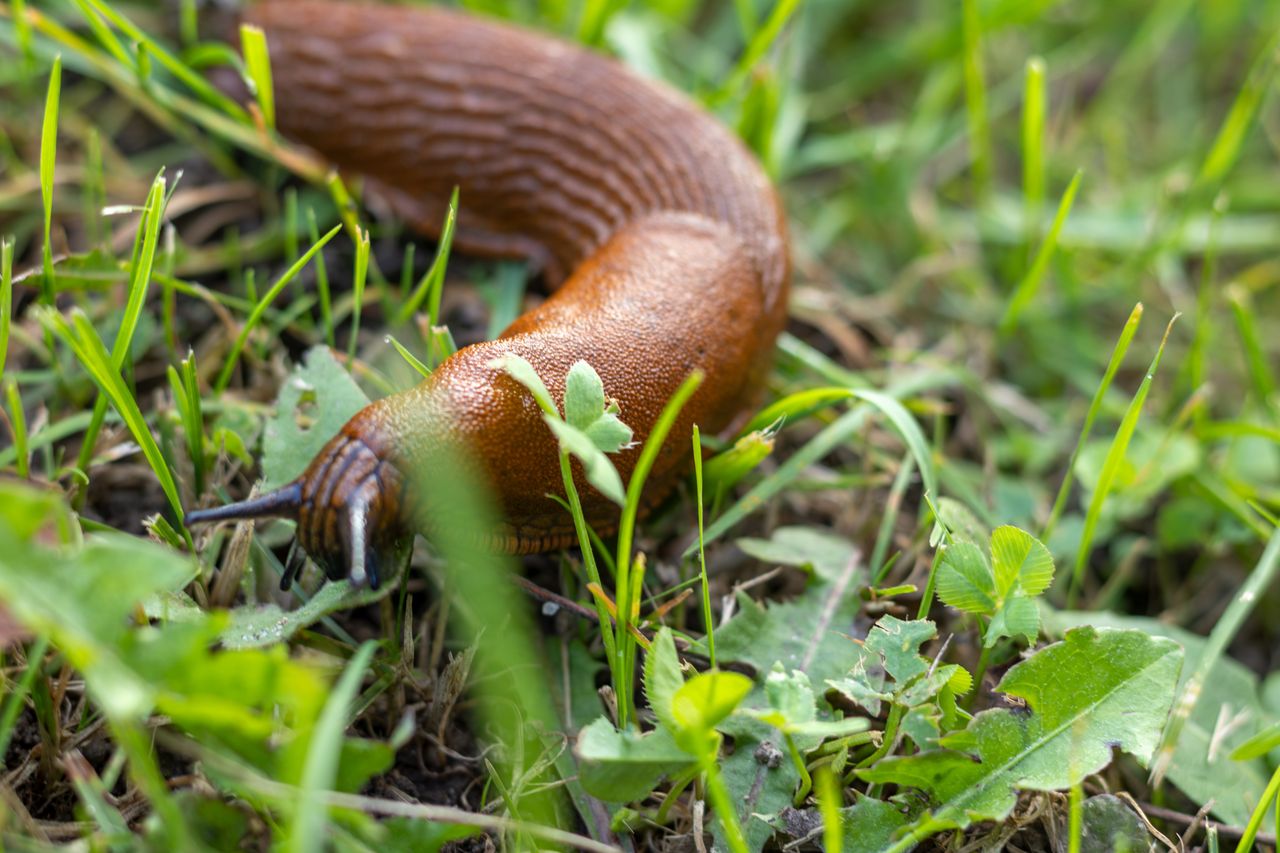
(422, 836)
(1092, 692)
(870, 825)
(1019, 559)
(898, 643)
(1202, 766)
(623, 766)
(810, 633)
(965, 579)
(313, 405)
(815, 549)
(662, 677)
(1110, 825)
(255, 626)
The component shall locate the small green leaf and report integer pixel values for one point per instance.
(965, 580)
(312, 406)
(586, 409)
(790, 697)
(595, 465)
(522, 371)
(1019, 559)
(898, 643)
(583, 395)
(870, 825)
(623, 766)
(1017, 617)
(705, 700)
(812, 548)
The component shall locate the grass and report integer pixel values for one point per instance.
(964, 352)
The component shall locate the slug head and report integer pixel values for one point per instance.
(348, 508)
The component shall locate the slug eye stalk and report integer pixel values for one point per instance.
(346, 505)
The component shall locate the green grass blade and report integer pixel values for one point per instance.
(832, 436)
(48, 159)
(1033, 118)
(357, 290)
(975, 98)
(18, 424)
(432, 283)
(1117, 358)
(1262, 578)
(756, 48)
(253, 42)
(322, 282)
(409, 357)
(106, 37)
(264, 303)
(139, 279)
(311, 817)
(1111, 467)
(702, 553)
(1027, 289)
(1270, 798)
(6, 298)
(1240, 119)
(80, 335)
(893, 505)
(1264, 382)
(626, 531)
(14, 701)
(194, 80)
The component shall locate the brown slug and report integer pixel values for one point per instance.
(659, 234)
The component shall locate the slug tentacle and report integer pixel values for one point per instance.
(346, 505)
(280, 503)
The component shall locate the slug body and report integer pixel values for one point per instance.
(660, 236)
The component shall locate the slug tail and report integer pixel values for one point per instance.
(283, 502)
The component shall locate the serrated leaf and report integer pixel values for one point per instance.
(863, 686)
(1201, 765)
(662, 676)
(597, 468)
(898, 643)
(313, 404)
(1020, 560)
(1094, 691)
(965, 580)
(623, 766)
(791, 701)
